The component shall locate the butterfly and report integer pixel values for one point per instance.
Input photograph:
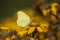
(23, 19)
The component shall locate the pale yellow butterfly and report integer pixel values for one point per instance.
(23, 19)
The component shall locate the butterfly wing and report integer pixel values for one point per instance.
(23, 19)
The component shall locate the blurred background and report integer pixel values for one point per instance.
(9, 7)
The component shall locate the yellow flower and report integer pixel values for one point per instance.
(54, 9)
(31, 29)
(42, 28)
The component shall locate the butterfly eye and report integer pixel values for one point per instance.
(23, 19)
